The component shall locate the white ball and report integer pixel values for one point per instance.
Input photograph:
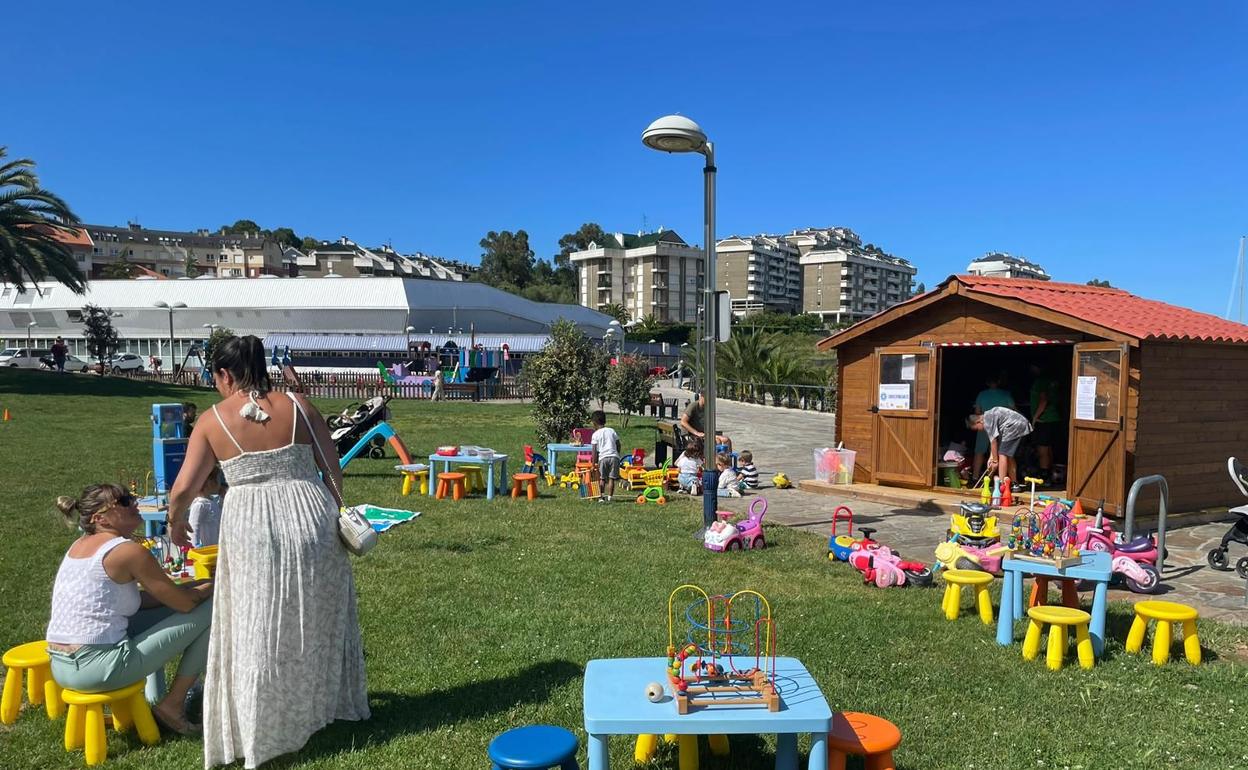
(654, 692)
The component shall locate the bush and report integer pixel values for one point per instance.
(558, 378)
(628, 385)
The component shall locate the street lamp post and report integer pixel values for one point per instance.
(29, 326)
(676, 133)
(170, 308)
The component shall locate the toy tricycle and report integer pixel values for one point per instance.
(734, 536)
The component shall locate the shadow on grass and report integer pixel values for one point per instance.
(398, 714)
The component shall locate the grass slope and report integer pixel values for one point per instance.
(480, 616)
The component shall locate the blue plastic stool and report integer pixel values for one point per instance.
(536, 747)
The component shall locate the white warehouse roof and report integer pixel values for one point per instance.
(264, 306)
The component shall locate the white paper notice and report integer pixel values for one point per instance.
(1085, 398)
(907, 368)
(895, 396)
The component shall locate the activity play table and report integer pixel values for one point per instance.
(553, 450)
(1095, 568)
(445, 461)
(616, 704)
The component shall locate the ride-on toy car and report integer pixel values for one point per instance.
(734, 536)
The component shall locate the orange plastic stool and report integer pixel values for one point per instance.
(452, 483)
(865, 735)
(528, 481)
(1040, 592)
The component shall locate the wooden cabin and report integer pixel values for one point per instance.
(1153, 388)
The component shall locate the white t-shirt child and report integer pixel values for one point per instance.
(606, 441)
(205, 520)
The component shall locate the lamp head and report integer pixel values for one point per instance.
(165, 305)
(32, 323)
(674, 133)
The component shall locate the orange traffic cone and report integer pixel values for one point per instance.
(1077, 510)
(6, 415)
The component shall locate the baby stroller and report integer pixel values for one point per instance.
(347, 428)
(1238, 533)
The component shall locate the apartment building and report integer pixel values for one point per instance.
(759, 272)
(648, 274)
(346, 259)
(169, 252)
(844, 281)
(998, 264)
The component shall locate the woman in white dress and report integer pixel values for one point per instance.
(285, 657)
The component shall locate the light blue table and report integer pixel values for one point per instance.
(447, 461)
(616, 704)
(553, 450)
(1096, 567)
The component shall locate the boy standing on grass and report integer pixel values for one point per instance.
(606, 444)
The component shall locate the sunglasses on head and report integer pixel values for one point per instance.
(127, 500)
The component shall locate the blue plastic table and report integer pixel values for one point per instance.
(489, 464)
(553, 450)
(616, 704)
(1095, 568)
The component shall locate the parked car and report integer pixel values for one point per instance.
(72, 363)
(125, 362)
(25, 358)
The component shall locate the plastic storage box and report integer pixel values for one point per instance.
(834, 466)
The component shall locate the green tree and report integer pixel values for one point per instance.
(242, 226)
(101, 337)
(33, 222)
(192, 269)
(628, 385)
(549, 292)
(219, 335)
(590, 232)
(599, 373)
(1100, 283)
(556, 377)
(616, 311)
(308, 243)
(285, 236)
(920, 289)
(122, 268)
(507, 261)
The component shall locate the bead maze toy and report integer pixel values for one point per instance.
(1048, 536)
(702, 670)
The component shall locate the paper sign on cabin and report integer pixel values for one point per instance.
(895, 396)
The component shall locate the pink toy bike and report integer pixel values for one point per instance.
(746, 533)
(1135, 561)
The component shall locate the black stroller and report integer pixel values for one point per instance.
(1238, 533)
(347, 428)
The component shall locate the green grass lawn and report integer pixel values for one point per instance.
(481, 616)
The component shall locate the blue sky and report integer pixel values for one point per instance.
(1100, 139)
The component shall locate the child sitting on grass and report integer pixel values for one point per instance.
(205, 515)
(690, 466)
(730, 483)
(748, 471)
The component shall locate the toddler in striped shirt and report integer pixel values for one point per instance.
(747, 471)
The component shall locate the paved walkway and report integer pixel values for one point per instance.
(784, 440)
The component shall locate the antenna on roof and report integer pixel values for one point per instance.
(1237, 285)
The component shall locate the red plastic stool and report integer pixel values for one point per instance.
(865, 735)
(1040, 592)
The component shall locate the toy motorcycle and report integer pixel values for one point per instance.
(974, 526)
(885, 568)
(1134, 561)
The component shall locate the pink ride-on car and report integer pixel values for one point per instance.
(735, 536)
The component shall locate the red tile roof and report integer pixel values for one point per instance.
(78, 237)
(1111, 308)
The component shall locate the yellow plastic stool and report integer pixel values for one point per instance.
(85, 725)
(687, 746)
(410, 478)
(1167, 614)
(954, 580)
(474, 479)
(1058, 618)
(32, 658)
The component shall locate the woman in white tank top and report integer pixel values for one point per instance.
(104, 632)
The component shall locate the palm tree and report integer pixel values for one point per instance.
(31, 219)
(616, 311)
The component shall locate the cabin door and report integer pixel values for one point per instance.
(905, 422)
(1097, 465)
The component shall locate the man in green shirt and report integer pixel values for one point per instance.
(1046, 418)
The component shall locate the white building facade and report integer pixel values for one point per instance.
(760, 273)
(648, 274)
(998, 264)
(844, 281)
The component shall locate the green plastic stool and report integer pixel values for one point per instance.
(949, 474)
